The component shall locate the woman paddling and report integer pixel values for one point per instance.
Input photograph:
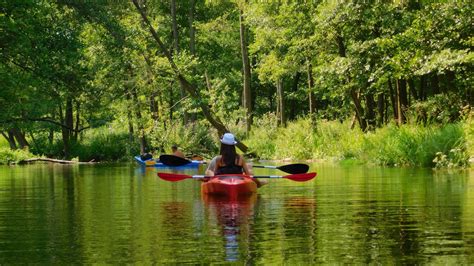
(229, 162)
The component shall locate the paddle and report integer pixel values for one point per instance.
(296, 168)
(178, 177)
(173, 160)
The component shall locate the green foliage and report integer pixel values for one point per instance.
(105, 144)
(262, 137)
(98, 60)
(438, 109)
(8, 156)
(295, 141)
(408, 145)
(468, 128)
(3, 143)
(412, 145)
(335, 140)
(192, 139)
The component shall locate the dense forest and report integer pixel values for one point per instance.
(105, 80)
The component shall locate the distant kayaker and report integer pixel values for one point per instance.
(176, 151)
(229, 162)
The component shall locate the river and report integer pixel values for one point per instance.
(121, 214)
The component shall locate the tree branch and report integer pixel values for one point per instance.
(184, 83)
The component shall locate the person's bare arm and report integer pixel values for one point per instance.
(211, 168)
(247, 168)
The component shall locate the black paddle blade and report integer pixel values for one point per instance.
(172, 160)
(296, 168)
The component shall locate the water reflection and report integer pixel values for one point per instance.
(117, 215)
(233, 215)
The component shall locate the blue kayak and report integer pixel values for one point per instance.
(156, 163)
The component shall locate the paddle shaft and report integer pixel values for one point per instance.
(178, 177)
(296, 168)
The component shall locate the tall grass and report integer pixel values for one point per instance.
(411, 145)
(407, 145)
(262, 137)
(105, 144)
(468, 127)
(194, 138)
(98, 144)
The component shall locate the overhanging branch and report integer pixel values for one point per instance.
(184, 83)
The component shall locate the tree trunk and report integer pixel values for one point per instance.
(293, 102)
(280, 103)
(435, 84)
(154, 108)
(67, 121)
(370, 111)
(192, 30)
(247, 93)
(450, 78)
(311, 96)
(138, 114)
(174, 26)
(20, 138)
(221, 129)
(422, 91)
(353, 93)
(129, 118)
(9, 136)
(176, 51)
(402, 100)
(414, 93)
(78, 122)
(393, 99)
(359, 110)
(380, 109)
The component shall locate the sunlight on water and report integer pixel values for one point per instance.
(126, 214)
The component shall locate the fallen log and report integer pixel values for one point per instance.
(50, 160)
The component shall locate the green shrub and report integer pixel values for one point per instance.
(408, 145)
(468, 128)
(262, 137)
(3, 143)
(295, 141)
(105, 144)
(8, 156)
(195, 138)
(336, 140)
(98, 144)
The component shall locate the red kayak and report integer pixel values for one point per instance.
(229, 185)
(232, 185)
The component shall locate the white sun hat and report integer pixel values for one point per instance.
(228, 139)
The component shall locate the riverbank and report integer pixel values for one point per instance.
(441, 146)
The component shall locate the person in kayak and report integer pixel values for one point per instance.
(176, 151)
(229, 162)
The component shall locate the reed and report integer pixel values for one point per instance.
(406, 145)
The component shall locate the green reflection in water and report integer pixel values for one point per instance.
(126, 214)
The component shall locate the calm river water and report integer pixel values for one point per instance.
(125, 214)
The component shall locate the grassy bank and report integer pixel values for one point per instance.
(100, 144)
(409, 145)
(442, 146)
